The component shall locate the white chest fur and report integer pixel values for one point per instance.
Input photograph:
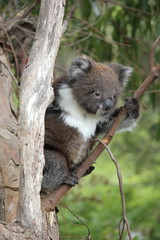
(74, 115)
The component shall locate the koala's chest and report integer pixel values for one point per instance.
(82, 130)
(71, 134)
(85, 125)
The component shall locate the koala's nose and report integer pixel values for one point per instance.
(108, 104)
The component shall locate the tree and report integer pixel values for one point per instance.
(35, 96)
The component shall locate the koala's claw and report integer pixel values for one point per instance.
(71, 179)
(132, 107)
(89, 170)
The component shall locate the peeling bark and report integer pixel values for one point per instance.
(9, 158)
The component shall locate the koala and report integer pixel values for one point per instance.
(84, 107)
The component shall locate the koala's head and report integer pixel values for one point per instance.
(97, 86)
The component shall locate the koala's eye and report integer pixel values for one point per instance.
(97, 93)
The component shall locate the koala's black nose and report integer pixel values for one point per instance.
(108, 104)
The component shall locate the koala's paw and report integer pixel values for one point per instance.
(71, 179)
(89, 170)
(132, 107)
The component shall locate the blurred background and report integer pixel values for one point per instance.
(106, 30)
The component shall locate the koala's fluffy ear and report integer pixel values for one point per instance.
(122, 71)
(79, 66)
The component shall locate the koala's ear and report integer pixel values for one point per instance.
(79, 66)
(122, 71)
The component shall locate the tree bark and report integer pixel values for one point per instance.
(35, 95)
(9, 157)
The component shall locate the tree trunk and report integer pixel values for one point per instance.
(35, 95)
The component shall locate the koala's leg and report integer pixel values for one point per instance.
(55, 172)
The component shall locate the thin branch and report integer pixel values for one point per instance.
(13, 51)
(88, 237)
(62, 69)
(10, 72)
(152, 51)
(49, 201)
(100, 34)
(83, 28)
(151, 77)
(128, 7)
(119, 175)
(30, 33)
(95, 31)
(72, 10)
(80, 40)
(110, 41)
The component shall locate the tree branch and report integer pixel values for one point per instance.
(10, 72)
(151, 57)
(49, 201)
(127, 7)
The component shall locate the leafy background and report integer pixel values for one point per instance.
(106, 30)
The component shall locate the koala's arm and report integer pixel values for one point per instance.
(132, 108)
